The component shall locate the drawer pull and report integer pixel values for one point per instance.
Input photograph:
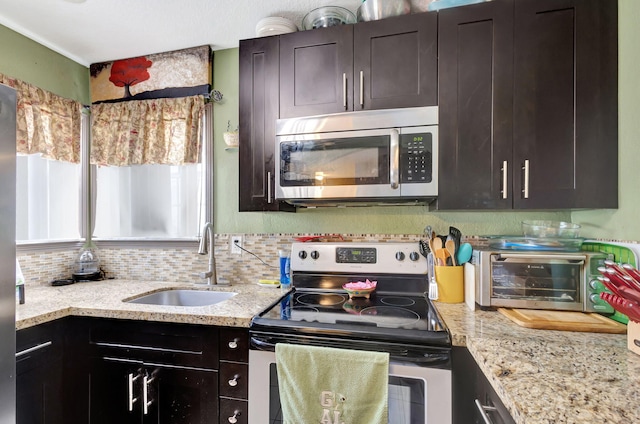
(234, 419)
(233, 344)
(234, 381)
(132, 400)
(33, 349)
(483, 411)
(145, 394)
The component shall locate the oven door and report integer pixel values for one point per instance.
(537, 281)
(417, 395)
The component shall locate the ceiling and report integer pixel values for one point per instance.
(91, 31)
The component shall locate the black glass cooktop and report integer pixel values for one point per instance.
(384, 316)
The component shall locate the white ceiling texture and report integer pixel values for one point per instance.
(91, 31)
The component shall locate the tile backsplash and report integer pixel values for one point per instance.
(183, 265)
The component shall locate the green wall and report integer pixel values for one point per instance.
(31, 62)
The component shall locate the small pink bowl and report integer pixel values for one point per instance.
(360, 289)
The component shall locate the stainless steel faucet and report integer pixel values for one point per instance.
(208, 246)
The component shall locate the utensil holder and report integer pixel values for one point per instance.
(450, 280)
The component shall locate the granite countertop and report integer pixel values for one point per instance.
(545, 376)
(541, 376)
(104, 299)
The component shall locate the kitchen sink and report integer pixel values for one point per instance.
(183, 297)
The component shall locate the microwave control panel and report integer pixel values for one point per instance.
(416, 158)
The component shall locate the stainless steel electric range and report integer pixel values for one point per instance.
(397, 318)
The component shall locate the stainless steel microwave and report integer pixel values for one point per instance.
(540, 280)
(355, 158)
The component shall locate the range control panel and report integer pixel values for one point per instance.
(386, 258)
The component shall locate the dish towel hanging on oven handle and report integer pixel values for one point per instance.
(332, 386)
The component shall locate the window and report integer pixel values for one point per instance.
(148, 201)
(153, 201)
(47, 204)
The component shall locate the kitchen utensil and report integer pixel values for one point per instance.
(550, 229)
(450, 245)
(372, 10)
(424, 247)
(327, 16)
(457, 236)
(563, 320)
(608, 284)
(441, 257)
(436, 244)
(433, 285)
(627, 307)
(464, 253)
(633, 273)
(629, 294)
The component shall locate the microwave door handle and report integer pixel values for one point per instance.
(394, 159)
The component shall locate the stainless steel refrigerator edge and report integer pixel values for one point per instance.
(7, 255)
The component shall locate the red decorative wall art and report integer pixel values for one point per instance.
(179, 73)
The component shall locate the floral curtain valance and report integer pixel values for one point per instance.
(159, 131)
(46, 123)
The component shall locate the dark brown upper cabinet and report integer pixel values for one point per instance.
(391, 63)
(528, 105)
(259, 104)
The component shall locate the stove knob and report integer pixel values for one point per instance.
(400, 256)
(414, 256)
(314, 254)
(302, 254)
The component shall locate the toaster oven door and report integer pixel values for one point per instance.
(537, 281)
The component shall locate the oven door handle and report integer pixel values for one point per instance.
(425, 358)
(394, 159)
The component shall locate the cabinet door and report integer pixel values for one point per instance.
(181, 396)
(316, 69)
(258, 113)
(39, 374)
(115, 391)
(39, 394)
(475, 101)
(395, 62)
(565, 103)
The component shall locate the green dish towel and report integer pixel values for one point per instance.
(332, 386)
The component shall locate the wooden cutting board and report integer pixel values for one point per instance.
(563, 321)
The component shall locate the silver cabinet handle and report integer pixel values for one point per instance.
(234, 419)
(525, 191)
(344, 90)
(483, 411)
(504, 170)
(362, 88)
(132, 399)
(233, 344)
(394, 159)
(33, 349)
(269, 187)
(234, 381)
(145, 394)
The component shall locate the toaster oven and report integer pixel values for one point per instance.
(540, 280)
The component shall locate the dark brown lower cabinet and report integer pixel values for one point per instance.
(134, 392)
(474, 400)
(39, 375)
